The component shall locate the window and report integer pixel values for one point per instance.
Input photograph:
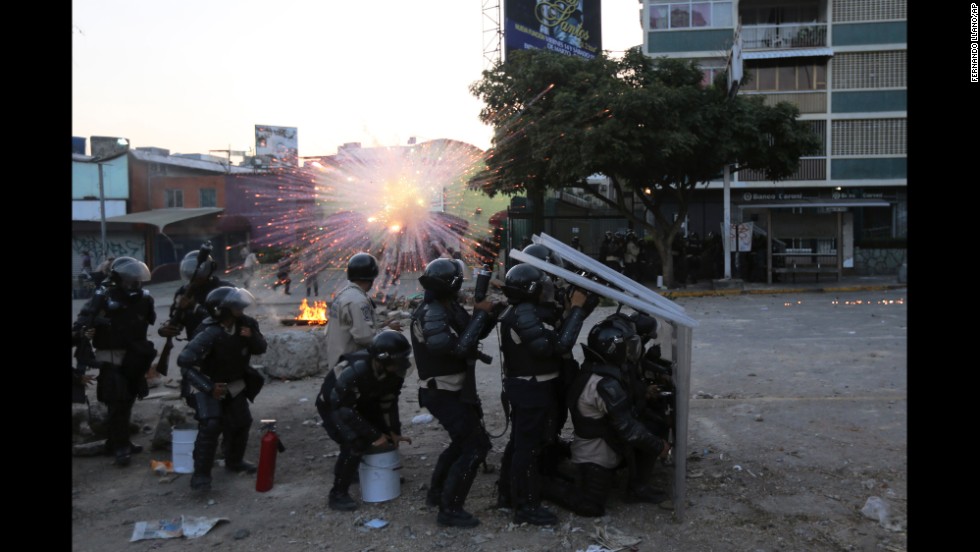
(175, 198)
(680, 14)
(209, 197)
(785, 76)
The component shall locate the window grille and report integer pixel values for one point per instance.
(869, 70)
(868, 137)
(869, 10)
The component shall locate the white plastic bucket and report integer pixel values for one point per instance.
(380, 480)
(182, 445)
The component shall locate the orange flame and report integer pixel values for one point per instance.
(317, 314)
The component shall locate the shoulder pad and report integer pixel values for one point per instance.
(611, 392)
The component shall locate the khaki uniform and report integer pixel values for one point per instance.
(596, 450)
(352, 326)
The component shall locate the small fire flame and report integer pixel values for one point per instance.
(317, 314)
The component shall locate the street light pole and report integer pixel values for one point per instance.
(102, 213)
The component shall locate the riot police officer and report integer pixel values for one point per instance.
(116, 320)
(215, 363)
(606, 432)
(187, 311)
(359, 407)
(555, 449)
(532, 352)
(353, 320)
(445, 339)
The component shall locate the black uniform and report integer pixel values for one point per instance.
(357, 407)
(619, 429)
(220, 355)
(533, 358)
(444, 339)
(121, 319)
(192, 317)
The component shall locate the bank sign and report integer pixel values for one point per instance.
(568, 27)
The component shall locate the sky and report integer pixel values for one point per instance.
(194, 76)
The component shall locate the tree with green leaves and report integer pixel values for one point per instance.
(650, 126)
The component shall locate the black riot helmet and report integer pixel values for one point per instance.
(225, 300)
(614, 341)
(391, 349)
(523, 283)
(543, 253)
(443, 277)
(362, 267)
(646, 325)
(128, 274)
(197, 264)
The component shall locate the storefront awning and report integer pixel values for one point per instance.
(824, 203)
(162, 217)
(795, 52)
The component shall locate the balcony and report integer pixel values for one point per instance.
(811, 168)
(787, 35)
(806, 102)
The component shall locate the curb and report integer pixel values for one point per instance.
(726, 292)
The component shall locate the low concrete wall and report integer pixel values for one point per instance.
(876, 262)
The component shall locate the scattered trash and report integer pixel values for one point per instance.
(877, 509)
(758, 418)
(376, 523)
(736, 467)
(162, 468)
(750, 472)
(752, 375)
(611, 539)
(184, 526)
(304, 399)
(241, 534)
(695, 474)
(422, 419)
(868, 484)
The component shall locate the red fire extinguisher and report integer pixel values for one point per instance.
(271, 445)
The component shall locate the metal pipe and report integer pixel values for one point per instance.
(105, 249)
(626, 284)
(605, 291)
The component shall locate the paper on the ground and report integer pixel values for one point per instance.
(184, 526)
(376, 523)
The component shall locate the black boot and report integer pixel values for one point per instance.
(341, 501)
(235, 444)
(457, 487)
(646, 493)
(449, 456)
(122, 456)
(205, 447)
(535, 515)
(346, 467)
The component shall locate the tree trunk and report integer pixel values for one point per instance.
(662, 243)
(536, 197)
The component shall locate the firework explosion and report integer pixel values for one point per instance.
(405, 205)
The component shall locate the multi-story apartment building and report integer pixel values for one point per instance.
(843, 64)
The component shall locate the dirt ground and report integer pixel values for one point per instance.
(798, 416)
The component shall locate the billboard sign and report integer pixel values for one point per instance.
(571, 27)
(277, 146)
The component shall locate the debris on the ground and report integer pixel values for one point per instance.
(94, 448)
(614, 540)
(162, 467)
(241, 534)
(376, 523)
(183, 526)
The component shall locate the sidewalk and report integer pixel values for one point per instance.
(804, 283)
(705, 288)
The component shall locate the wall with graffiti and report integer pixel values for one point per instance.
(121, 244)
